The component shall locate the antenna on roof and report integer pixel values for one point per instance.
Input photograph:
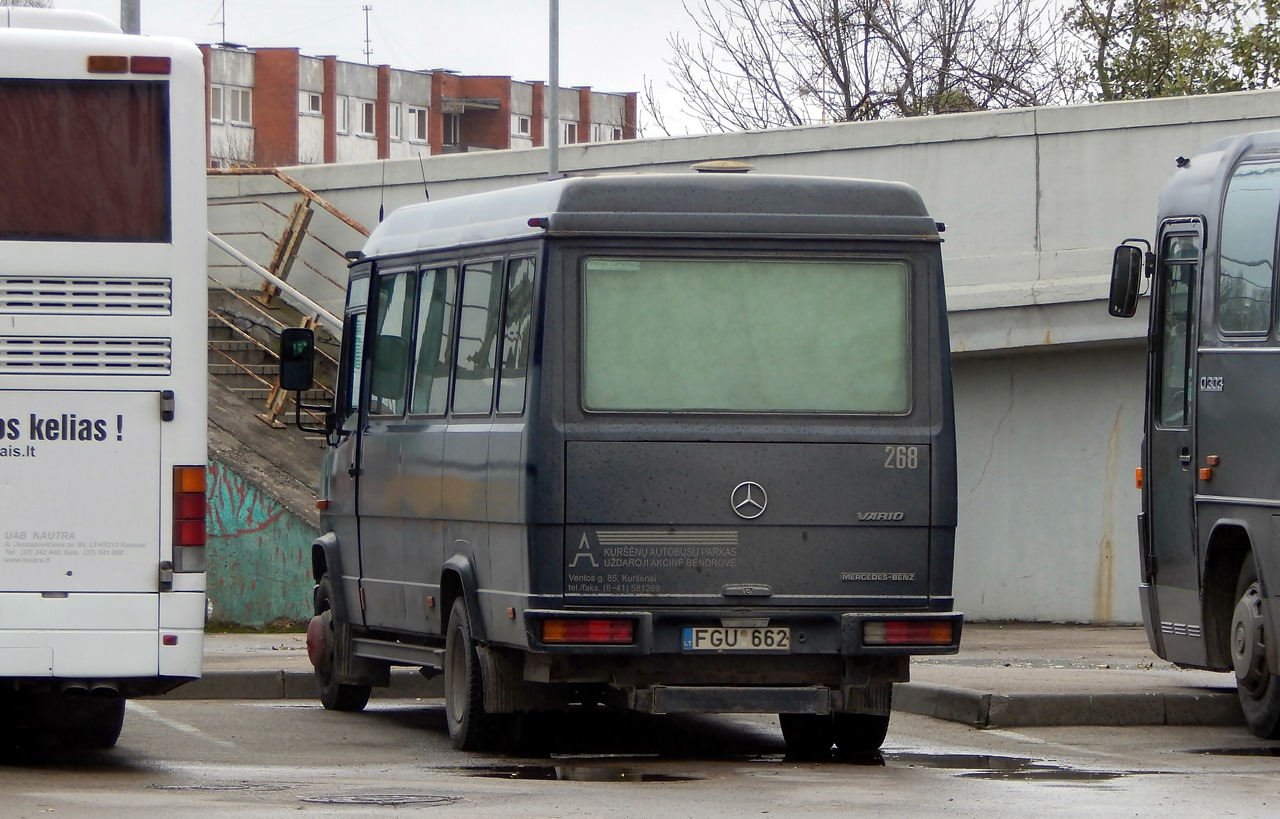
(426, 195)
(368, 44)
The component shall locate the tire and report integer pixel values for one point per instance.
(78, 721)
(860, 734)
(808, 735)
(89, 722)
(1257, 687)
(471, 728)
(335, 695)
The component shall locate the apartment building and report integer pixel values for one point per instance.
(271, 107)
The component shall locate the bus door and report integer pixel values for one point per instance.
(340, 483)
(1170, 563)
(379, 489)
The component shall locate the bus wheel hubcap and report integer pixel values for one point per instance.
(1248, 644)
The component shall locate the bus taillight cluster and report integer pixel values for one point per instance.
(189, 505)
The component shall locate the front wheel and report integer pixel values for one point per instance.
(1258, 688)
(325, 634)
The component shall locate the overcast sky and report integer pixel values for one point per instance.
(611, 45)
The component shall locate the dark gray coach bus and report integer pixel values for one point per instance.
(1210, 474)
(672, 443)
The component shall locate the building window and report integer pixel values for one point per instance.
(344, 107)
(239, 106)
(395, 121)
(367, 124)
(452, 129)
(215, 103)
(570, 133)
(616, 134)
(418, 124)
(311, 103)
(520, 125)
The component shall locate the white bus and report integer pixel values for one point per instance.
(102, 372)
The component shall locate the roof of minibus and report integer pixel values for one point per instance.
(1200, 180)
(670, 205)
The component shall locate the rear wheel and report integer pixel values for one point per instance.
(471, 727)
(89, 722)
(325, 634)
(860, 734)
(1258, 688)
(808, 735)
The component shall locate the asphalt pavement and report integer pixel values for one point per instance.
(1005, 675)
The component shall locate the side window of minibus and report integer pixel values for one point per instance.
(516, 324)
(353, 347)
(389, 359)
(477, 338)
(434, 353)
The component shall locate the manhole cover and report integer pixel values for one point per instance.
(383, 799)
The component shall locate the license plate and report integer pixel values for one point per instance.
(737, 639)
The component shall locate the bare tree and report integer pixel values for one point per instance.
(769, 63)
(28, 4)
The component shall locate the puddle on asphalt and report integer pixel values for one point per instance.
(967, 765)
(979, 766)
(1267, 750)
(573, 773)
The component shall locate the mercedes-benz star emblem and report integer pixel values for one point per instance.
(749, 500)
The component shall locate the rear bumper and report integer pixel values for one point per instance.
(840, 634)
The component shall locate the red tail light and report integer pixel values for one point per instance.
(909, 633)
(601, 631)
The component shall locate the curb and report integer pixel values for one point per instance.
(962, 705)
(979, 710)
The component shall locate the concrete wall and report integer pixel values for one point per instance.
(1048, 387)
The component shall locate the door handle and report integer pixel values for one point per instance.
(1184, 457)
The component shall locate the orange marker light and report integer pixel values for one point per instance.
(1137, 477)
(1206, 473)
(108, 64)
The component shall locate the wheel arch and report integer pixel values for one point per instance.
(458, 579)
(1229, 545)
(325, 559)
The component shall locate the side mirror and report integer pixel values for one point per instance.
(297, 359)
(1126, 280)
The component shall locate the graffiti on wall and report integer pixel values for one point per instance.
(258, 554)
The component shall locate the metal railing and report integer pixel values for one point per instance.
(275, 284)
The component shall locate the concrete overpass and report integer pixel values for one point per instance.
(1048, 387)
